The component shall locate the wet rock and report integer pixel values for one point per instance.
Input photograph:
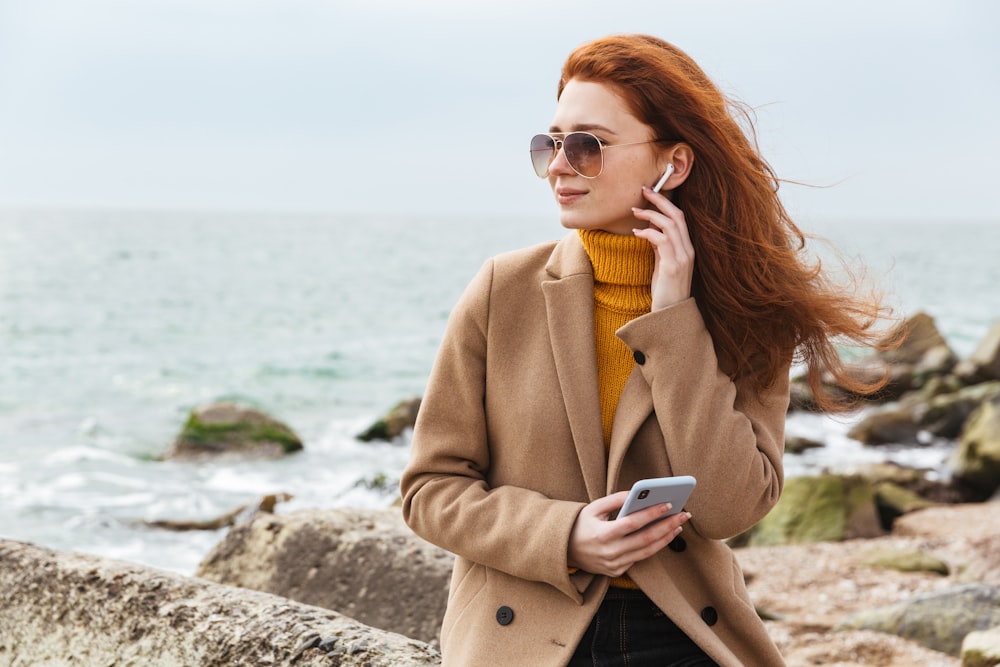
(394, 423)
(938, 620)
(976, 461)
(228, 430)
(358, 562)
(60, 608)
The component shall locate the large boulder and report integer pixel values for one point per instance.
(61, 608)
(976, 461)
(228, 430)
(817, 509)
(358, 562)
(938, 620)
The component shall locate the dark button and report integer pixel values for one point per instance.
(639, 357)
(505, 615)
(678, 544)
(709, 615)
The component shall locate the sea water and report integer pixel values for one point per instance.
(114, 325)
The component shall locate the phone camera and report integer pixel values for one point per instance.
(643, 493)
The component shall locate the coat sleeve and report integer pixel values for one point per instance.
(447, 498)
(728, 437)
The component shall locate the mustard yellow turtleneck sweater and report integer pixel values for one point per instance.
(623, 272)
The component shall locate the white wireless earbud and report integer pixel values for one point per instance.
(663, 179)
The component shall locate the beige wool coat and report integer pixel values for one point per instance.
(508, 448)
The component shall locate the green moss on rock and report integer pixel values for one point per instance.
(227, 428)
(819, 509)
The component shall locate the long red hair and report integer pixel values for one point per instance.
(763, 299)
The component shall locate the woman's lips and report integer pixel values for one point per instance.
(568, 195)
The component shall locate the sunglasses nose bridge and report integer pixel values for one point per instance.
(558, 150)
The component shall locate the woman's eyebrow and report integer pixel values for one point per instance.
(583, 127)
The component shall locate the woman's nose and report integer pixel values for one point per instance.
(559, 164)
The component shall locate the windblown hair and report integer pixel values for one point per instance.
(763, 299)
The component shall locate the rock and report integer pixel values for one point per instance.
(976, 461)
(942, 415)
(402, 416)
(981, 648)
(358, 562)
(815, 509)
(893, 501)
(265, 503)
(60, 608)
(907, 561)
(984, 363)
(939, 620)
(227, 430)
(795, 444)
(886, 426)
(923, 348)
(970, 520)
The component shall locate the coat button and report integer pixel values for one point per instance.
(505, 615)
(639, 357)
(678, 544)
(709, 615)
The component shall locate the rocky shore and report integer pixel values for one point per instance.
(886, 567)
(262, 596)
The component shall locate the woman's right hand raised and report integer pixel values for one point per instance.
(601, 545)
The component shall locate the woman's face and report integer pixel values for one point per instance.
(604, 202)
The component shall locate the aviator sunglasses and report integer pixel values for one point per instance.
(584, 152)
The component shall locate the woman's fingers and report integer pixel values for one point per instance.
(610, 547)
(667, 232)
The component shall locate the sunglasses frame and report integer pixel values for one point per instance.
(559, 141)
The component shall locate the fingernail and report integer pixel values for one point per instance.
(688, 514)
(667, 507)
(645, 187)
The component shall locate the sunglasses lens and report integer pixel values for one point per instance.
(543, 148)
(583, 152)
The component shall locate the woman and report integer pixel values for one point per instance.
(655, 339)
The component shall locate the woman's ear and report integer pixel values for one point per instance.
(682, 157)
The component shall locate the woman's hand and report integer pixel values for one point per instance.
(668, 233)
(600, 545)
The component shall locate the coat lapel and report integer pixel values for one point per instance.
(569, 302)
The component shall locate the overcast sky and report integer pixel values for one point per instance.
(426, 106)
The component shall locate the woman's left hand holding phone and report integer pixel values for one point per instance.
(608, 547)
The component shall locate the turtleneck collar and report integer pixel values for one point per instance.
(618, 259)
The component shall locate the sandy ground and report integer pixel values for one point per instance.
(811, 588)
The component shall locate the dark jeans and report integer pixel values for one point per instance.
(629, 630)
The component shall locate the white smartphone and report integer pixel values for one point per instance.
(648, 492)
